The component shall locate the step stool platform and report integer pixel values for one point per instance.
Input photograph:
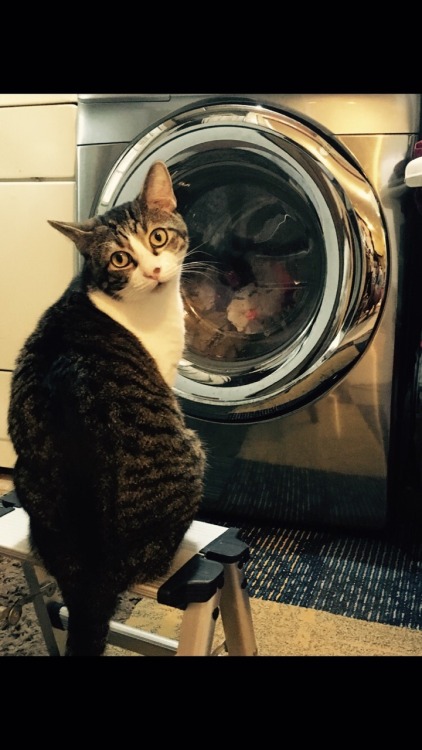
(205, 578)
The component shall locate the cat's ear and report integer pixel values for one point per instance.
(158, 189)
(80, 234)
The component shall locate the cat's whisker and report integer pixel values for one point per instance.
(205, 273)
(195, 264)
(197, 269)
(197, 248)
(212, 260)
(212, 265)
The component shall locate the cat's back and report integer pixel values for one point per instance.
(80, 364)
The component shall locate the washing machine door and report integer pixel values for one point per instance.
(286, 273)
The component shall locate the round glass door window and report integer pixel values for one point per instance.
(256, 269)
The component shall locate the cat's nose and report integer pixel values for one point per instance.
(155, 273)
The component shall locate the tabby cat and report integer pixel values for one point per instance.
(106, 468)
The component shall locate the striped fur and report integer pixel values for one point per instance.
(107, 470)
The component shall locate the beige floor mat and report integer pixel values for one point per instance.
(286, 630)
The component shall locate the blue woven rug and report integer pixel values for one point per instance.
(313, 545)
(377, 579)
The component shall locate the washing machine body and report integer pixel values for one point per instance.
(293, 287)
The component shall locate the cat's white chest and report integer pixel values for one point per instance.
(157, 321)
(165, 344)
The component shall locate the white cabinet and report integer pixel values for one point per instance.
(37, 182)
(38, 142)
(37, 261)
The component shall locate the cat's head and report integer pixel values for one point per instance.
(134, 247)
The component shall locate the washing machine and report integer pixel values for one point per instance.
(293, 373)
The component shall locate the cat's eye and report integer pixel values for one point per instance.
(120, 259)
(158, 237)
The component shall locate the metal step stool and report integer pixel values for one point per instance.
(206, 578)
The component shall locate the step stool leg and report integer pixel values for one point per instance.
(197, 628)
(232, 553)
(236, 613)
(40, 609)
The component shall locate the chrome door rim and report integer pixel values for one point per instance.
(347, 209)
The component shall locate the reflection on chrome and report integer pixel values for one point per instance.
(193, 373)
